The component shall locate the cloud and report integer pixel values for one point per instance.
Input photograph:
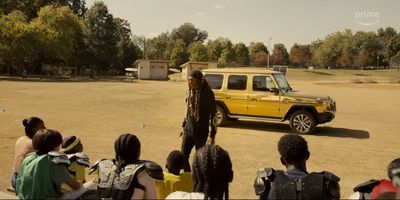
(218, 6)
(200, 14)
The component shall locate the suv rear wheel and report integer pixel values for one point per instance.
(221, 116)
(302, 122)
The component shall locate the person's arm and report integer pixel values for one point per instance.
(149, 184)
(151, 189)
(74, 184)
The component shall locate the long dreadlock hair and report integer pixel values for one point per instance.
(127, 150)
(193, 96)
(212, 172)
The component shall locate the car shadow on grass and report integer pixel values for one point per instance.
(285, 128)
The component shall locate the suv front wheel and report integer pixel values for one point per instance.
(302, 122)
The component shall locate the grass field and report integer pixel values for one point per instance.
(357, 145)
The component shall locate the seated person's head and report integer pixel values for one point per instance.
(175, 162)
(212, 172)
(32, 125)
(393, 170)
(71, 144)
(46, 140)
(293, 150)
(127, 149)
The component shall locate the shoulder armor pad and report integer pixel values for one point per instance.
(80, 158)
(366, 187)
(153, 169)
(95, 166)
(330, 176)
(263, 178)
(124, 179)
(59, 158)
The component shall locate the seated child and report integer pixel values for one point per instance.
(73, 147)
(44, 171)
(173, 179)
(23, 146)
(126, 176)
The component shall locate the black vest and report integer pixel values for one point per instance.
(323, 185)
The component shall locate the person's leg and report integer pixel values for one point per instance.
(186, 148)
(200, 142)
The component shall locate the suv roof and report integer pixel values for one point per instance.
(247, 70)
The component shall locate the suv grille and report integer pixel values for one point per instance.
(331, 107)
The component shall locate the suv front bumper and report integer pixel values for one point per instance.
(325, 117)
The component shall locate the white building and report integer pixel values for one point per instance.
(152, 69)
(189, 66)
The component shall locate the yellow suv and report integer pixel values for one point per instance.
(257, 93)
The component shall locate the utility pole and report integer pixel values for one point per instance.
(144, 48)
(269, 41)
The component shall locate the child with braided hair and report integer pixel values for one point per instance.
(126, 176)
(212, 173)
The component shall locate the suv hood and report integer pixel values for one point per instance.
(305, 97)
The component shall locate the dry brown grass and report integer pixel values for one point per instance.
(356, 146)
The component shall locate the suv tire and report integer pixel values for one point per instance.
(302, 122)
(221, 116)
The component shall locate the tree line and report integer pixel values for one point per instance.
(36, 35)
(343, 49)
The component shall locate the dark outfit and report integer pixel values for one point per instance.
(195, 132)
(296, 184)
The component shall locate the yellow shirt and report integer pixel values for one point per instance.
(79, 171)
(172, 183)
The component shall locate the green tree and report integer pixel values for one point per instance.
(31, 7)
(279, 55)
(59, 30)
(188, 33)
(242, 54)
(221, 50)
(393, 47)
(128, 52)
(198, 52)
(179, 54)
(17, 41)
(100, 36)
(160, 47)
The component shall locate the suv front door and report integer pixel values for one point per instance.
(263, 102)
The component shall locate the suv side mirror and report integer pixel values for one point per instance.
(274, 90)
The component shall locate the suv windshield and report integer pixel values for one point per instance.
(282, 82)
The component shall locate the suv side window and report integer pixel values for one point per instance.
(262, 83)
(214, 80)
(236, 82)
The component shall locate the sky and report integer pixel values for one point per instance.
(267, 21)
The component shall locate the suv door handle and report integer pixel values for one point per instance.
(251, 99)
(228, 97)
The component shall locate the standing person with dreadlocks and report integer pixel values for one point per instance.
(212, 173)
(127, 177)
(200, 109)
